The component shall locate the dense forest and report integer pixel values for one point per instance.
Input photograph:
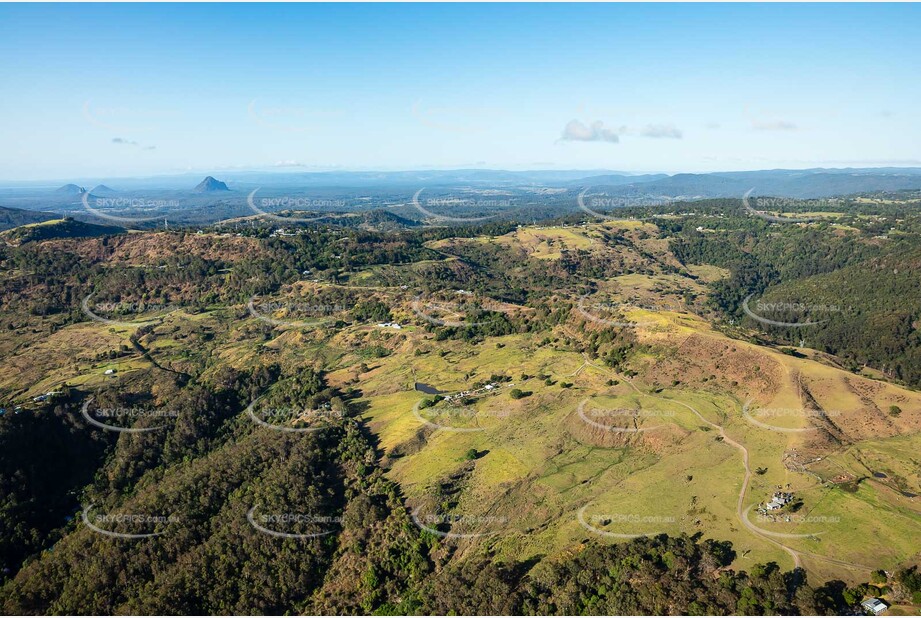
(853, 284)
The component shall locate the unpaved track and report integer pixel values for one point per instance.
(745, 481)
(794, 554)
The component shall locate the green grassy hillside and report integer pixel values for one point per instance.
(58, 228)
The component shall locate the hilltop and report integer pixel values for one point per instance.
(209, 185)
(71, 189)
(14, 217)
(57, 228)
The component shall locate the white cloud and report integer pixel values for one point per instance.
(575, 131)
(127, 142)
(773, 125)
(661, 130)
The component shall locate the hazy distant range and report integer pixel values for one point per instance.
(190, 198)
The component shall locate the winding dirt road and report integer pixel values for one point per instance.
(746, 480)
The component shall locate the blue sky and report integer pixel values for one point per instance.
(122, 90)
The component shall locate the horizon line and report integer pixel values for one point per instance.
(294, 170)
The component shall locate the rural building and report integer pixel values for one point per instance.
(47, 396)
(875, 606)
(779, 500)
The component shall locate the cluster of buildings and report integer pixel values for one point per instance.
(46, 397)
(284, 232)
(473, 392)
(779, 500)
(37, 399)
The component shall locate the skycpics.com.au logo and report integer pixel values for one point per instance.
(104, 524)
(802, 414)
(449, 526)
(796, 518)
(454, 119)
(619, 420)
(296, 314)
(765, 516)
(105, 417)
(106, 207)
(456, 417)
(289, 118)
(623, 523)
(763, 309)
(610, 312)
(442, 310)
(293, 203)
(593, 204)
(773, 204)
(293, 419)
(312, 525)
(109, 312)
(126, 120)
(476, 204)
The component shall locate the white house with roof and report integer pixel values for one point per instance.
(874, 606)
(778, 501)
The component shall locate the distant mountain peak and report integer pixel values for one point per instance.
(71, 189)
(210, 184)
(101, 190)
